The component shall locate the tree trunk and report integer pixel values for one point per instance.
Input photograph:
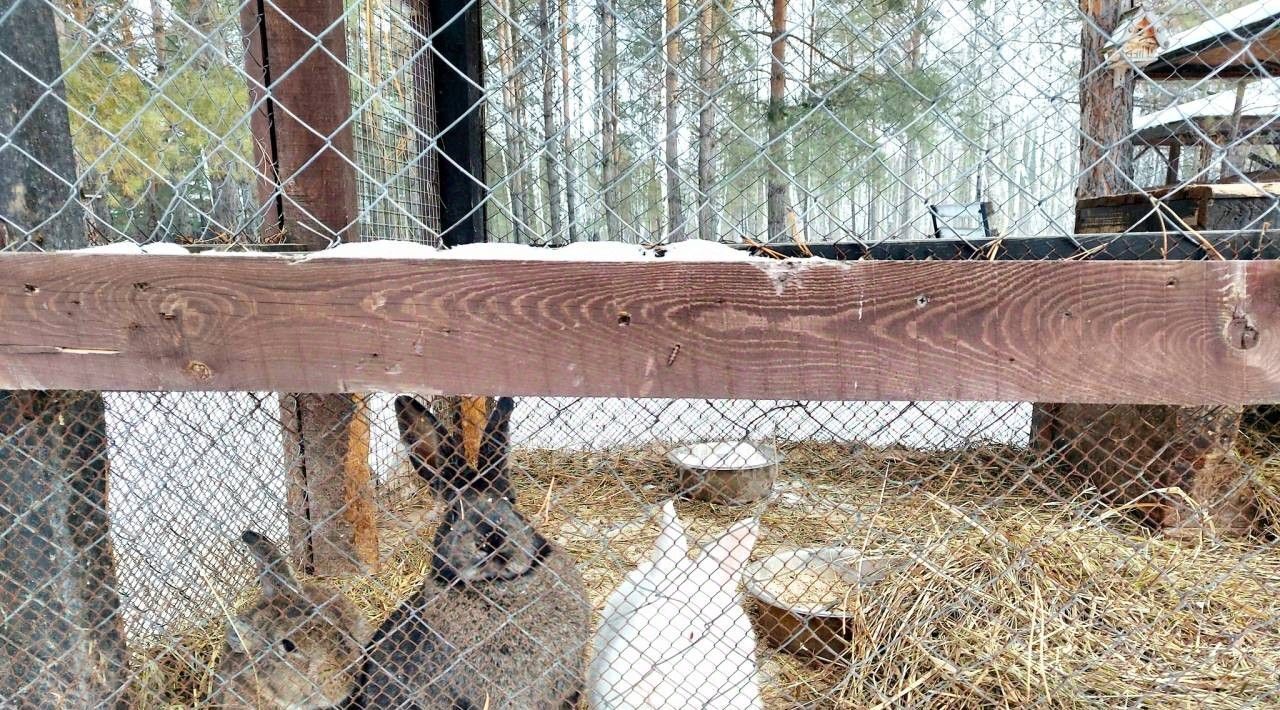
(710, 41)
(675, 208)
(62, 625)
(159, 37)
(514, 125)
(550, 169)
(911, 149)
(609, 119)
(776, 185)
(570, 181)
(1106, 106)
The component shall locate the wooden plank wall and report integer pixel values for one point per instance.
(1123, 332)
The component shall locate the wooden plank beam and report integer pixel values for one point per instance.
(1148, 332)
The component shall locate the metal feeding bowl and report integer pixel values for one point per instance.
(732, 472)
(818, 629)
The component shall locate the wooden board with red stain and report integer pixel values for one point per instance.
(1138, 332)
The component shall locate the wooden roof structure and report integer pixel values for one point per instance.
(1192, 122)
(1243, 43)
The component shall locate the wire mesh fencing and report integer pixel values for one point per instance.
(281, 549)
(428, 552)
(801, 122)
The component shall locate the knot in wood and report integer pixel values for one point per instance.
(1241, 331)
(199, 371)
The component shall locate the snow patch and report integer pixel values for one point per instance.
(704, 250)
(1261, 98)
(1226, 22)
(495, 251)
(377, 249)
(601, 251)
(133, 248)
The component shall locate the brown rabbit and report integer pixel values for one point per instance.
(503, 620)
(298, 646)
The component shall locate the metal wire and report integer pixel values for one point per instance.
(975, 554)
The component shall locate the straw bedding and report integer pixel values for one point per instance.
(1006, 595)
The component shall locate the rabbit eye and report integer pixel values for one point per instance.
(288, 646)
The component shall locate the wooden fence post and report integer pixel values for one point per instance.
(458, 78)
(301, 123)
(61, 612)
(1135, 452)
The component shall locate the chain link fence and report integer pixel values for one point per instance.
(283, 550)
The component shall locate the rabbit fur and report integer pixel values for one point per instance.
(503, 620)
(674, 634)
(297, 646)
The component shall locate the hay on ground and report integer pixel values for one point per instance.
(1006, 597)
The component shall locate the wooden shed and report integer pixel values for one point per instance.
(1248, 116)
(1238, 44)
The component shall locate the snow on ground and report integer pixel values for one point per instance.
(190, 471)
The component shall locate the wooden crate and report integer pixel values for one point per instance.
(1178, 210)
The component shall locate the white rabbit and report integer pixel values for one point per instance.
(674, 634)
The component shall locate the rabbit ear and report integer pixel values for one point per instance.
(730, 552)
(672, 545)
(497, 435)
(495, 443)
(273, 570)
(432, 448)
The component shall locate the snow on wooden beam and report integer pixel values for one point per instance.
(1203, 332)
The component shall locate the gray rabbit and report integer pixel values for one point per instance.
(503, 620)
(297, 646)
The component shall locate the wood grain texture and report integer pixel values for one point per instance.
(1138, 332)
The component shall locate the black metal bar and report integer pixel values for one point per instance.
(1251, 244)
(458, 67)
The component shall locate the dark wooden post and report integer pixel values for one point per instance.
(457, 75)
(301, 124)
(1134, 453)
(64, 642)
(458, 79)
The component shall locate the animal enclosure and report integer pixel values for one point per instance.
(355, 349)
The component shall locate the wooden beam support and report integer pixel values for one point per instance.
(458, 77)
(1192, 333)
(301, 94)
(64, 643)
